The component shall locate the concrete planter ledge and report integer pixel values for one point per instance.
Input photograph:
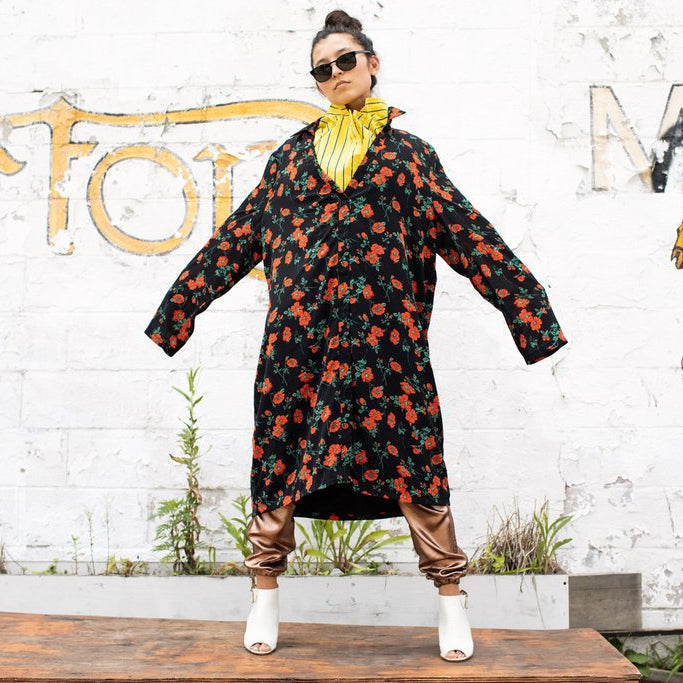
(524, 601)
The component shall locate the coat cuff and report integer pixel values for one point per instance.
(169, 344)
(540, 353)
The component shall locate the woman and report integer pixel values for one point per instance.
(348, 218)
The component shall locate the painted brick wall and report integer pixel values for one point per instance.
(547, 116)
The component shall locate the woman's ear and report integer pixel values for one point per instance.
(374, 61)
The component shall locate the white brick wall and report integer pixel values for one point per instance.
(87, 413)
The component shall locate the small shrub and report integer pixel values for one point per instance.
(179, 533)
(671, 660)
(520, 546)
(343, 545)
(238, 531)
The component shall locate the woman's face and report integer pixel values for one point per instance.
(349, 88)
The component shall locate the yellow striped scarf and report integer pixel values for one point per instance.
(343, 136)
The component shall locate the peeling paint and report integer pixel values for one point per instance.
(604, 44)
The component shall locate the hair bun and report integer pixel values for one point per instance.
(339, 18)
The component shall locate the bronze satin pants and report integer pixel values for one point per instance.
(431, 529)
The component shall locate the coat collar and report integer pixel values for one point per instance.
(393, 112)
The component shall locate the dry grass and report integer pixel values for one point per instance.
(519, 545)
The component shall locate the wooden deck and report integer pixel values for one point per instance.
(55, 648)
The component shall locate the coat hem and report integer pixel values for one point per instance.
(346, 500)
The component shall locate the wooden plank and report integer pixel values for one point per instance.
(56, 648)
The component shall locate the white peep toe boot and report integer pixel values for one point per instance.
(262, 622)
(454, 626)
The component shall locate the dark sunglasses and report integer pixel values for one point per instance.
(346, 62)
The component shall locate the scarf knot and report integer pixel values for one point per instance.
(343, 136)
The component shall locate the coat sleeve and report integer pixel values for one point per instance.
(233, 250)
(473, 248)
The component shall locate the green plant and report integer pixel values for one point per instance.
(106, 526)
(671, 661)
(489, 561)
(520, 546)
(77, 552)
(126, 566)
(638, 659)
(545, 554)
(180, 532)
(335, 544)
(89, 517)
(238, 531)
(51, 569)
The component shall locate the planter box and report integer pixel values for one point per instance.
(606, 602)
(505, 601)
(534, 602)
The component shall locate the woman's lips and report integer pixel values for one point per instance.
(340, 83)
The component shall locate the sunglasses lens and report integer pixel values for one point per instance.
(347, 62)
(322, 73)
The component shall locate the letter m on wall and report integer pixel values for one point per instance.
(654, 170)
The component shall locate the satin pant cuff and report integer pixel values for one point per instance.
(272, 536)
(433, 532)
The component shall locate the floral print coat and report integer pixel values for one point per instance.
(347, 420)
